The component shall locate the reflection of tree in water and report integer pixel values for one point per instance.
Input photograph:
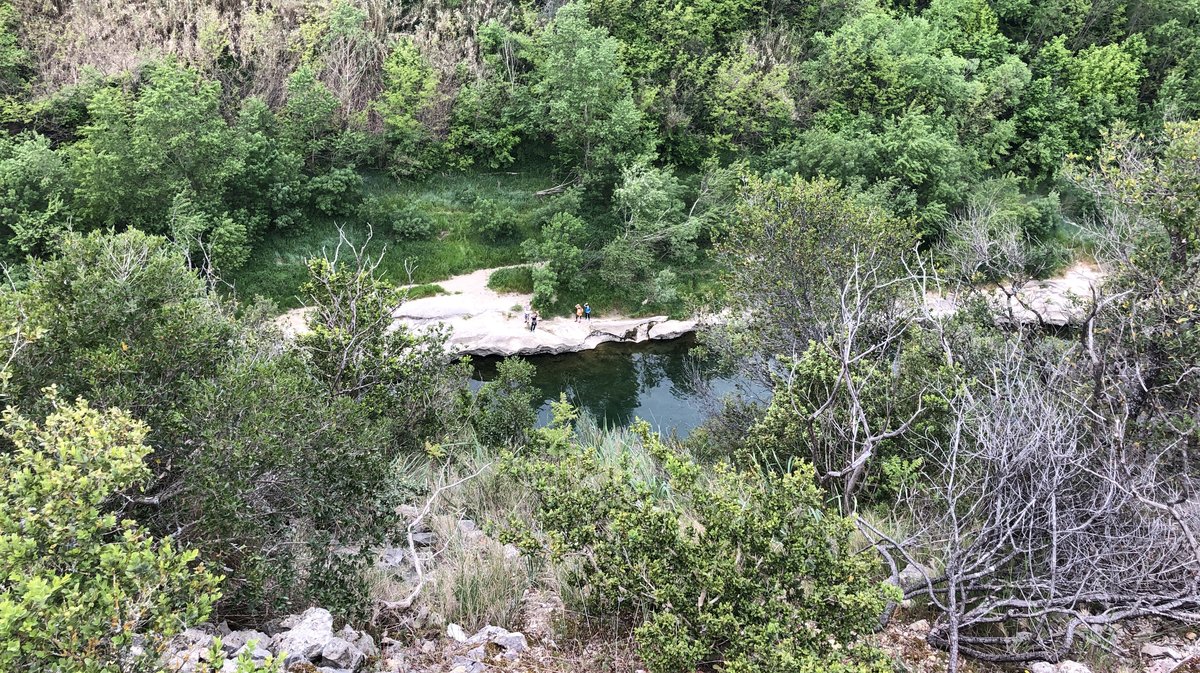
(612, 382)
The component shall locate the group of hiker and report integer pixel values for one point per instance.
(582, 312)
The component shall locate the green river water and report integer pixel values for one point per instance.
(658, 381)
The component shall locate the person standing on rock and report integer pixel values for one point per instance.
(527, 317)
(533, 322)
(578, 313)
(587, 311)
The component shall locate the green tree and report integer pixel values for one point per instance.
(491, 114)
(81, 588)
(409, 84)
(902, 112)
(14, 62)
(507, 404)
(34, 194)
(588, 103)
(142, 149)
(309, 118)
(1073, 97)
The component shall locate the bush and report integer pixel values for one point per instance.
(336, 193)
(494, 223)
(422, 291)
(740, 567)
(80, 589)
(506, 410)
(407, 222)
(512, 279)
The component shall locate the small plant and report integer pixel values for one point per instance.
(423, 291)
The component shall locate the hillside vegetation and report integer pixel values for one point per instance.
(173, 174)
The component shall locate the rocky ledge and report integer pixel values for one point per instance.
(481, 336)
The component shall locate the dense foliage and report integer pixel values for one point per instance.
(83, 589)
(257, 123)
(743, 568)
(864, 189)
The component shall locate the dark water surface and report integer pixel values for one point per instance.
(658, 381)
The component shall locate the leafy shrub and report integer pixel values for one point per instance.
(336, 193)
(494, 223)
(506, 405)
(79, 586)
(512, 279)
(407, 222)
(740, 567)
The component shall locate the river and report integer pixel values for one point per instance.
(658, 381)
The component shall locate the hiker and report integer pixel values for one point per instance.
(527, 317)
(533, 322)
(587, 311)
(578, 313)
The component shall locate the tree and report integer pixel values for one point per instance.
(820, 280)
(309, 118)
(409, 84)
(82, 589)
(34, 194)
(357, 352)
(506, 405)
(1072, 98)
(492, 114)
(141, 150)
(589, 109)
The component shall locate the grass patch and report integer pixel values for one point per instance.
(277, 267)
(426, 290)
(518, 279)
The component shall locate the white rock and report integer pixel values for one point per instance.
(234, 641)
(1156, 651)
(306, 636)
(513, 642)
(455, 632)
(1041, 667)
(363, 641)
(1072, 667)
(342, 654)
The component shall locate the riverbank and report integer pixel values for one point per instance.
(483, 322)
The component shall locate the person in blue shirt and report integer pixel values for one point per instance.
(587, 311)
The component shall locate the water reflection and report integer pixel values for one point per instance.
(657, 381)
